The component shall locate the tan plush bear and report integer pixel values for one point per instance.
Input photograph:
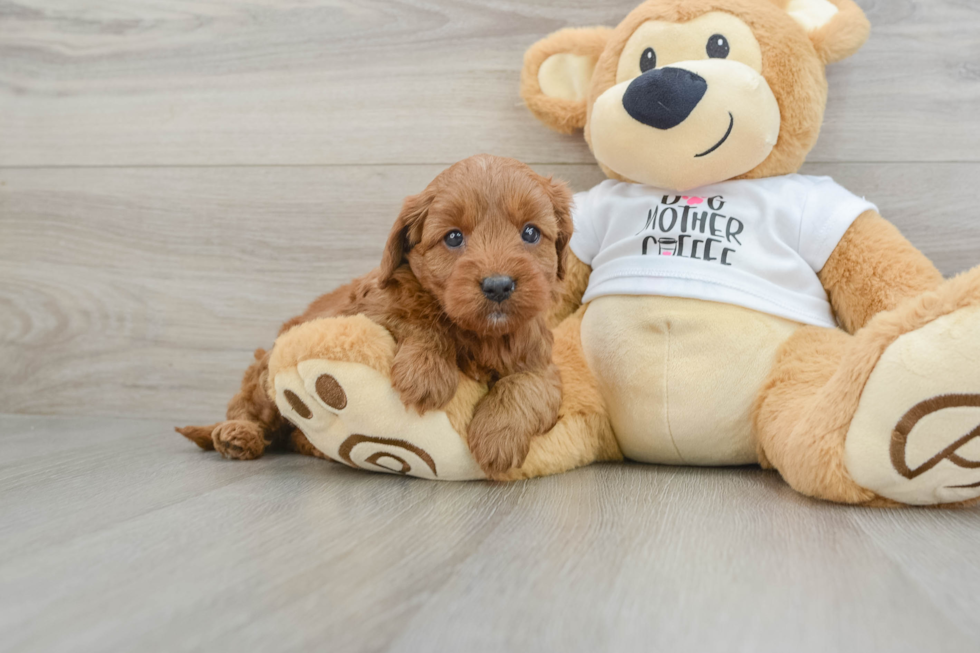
(720, 309)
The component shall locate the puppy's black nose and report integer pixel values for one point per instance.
(498, 288)
(663, 98)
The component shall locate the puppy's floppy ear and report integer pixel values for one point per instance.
(405, 234)
(837, 28)
(561, 200)
(557, 75)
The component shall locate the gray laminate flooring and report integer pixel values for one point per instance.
(118, 535)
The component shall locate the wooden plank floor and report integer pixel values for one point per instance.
(116, 536)
(177, 178)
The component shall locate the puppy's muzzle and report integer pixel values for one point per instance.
(498, 288)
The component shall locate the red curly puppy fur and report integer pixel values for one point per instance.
(467, 276)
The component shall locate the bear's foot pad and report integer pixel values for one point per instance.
(350, 412)
(915, 437)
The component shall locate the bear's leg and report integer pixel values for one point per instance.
(583, 434)
(356, 417)
(331, 378)
(800, 431)
(888, 416)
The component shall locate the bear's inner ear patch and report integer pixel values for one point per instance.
(812, 14)
(566, 76)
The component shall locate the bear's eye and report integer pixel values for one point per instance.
(648, 60)
(718, 47)
(531, 234)
(454, 239)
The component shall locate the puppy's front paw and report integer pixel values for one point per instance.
(497, 444)
(423, 380)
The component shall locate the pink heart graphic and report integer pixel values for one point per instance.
(694, 201)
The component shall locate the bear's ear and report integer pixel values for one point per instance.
(557, 75)
(837, 28)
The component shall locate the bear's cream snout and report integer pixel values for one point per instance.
(686, 125)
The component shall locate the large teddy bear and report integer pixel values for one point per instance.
(719, 308)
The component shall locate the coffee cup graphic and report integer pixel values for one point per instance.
(668, 246)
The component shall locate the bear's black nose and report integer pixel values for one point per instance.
(498, 288)
(664, 97)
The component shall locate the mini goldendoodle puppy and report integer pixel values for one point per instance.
(465, 284)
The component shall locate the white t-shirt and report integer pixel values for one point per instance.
(755, 243)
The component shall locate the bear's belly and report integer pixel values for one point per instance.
(680, 376)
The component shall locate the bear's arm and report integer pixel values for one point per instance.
(569, 297)
(873, 269)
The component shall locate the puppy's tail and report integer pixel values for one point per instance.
(199, 435)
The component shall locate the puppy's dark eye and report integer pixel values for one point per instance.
(648, 60)
(531, 234)
(454, 239)
(718, 47)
